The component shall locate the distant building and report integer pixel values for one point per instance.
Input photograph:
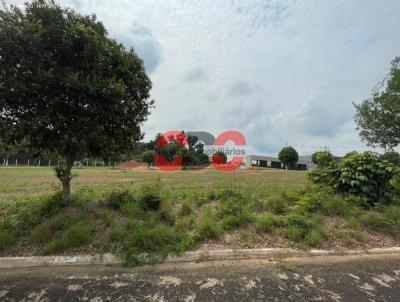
(304, 162)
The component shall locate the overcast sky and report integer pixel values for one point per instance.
(281, 72)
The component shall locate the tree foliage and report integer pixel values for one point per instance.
(393, 157)
(363, 174)
(148, 157)
(67, 87)
(322, 158)
(378, 118)
(289, 156)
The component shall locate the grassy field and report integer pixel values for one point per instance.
(17, 183)
(159, 213)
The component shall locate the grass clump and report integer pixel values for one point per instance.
(107, 217)
(165, 212)
(208, 227)
(7, 239)
(74, 236)
(117, 233)
(186, 209)
(266, 222)
(277, 202)
(234, 210)
(116, 199)
(388, 220)
(153, 244)
(150, 197)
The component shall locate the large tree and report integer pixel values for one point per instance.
(378, 118)
(67, 87)
(289, 156)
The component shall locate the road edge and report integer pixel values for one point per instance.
(196, 256)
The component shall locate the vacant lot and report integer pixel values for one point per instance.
(19, 183)
(159, 213)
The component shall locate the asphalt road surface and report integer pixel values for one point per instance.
(334, 278)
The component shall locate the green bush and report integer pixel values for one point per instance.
(265, 223)
(322, 158)
(362, 174)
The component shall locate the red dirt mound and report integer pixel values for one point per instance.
(130, 164)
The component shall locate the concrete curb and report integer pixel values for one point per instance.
(110, 259)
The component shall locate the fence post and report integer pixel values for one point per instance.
(39, 162)
(28, 162)
(95, 163)
(16, 161)
(49, 162)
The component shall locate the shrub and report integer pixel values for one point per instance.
(362, 174)
(265, 223)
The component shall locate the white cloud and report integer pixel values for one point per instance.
(279, 71)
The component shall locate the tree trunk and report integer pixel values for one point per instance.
(66, 184)
(64, 175)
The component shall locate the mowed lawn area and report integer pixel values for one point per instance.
(18, 183)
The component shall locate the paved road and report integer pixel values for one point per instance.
(350, 278)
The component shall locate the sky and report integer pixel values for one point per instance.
(280, 72)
